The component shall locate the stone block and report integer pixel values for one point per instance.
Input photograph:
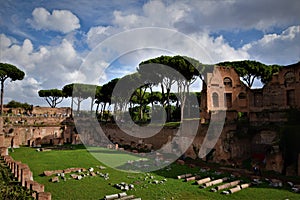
(26, 174)
(184, 176)
(37, 187)
(227, 185)
(10, 164)
(274, 162)
(55, 179)
(44, 196)
(19, 172)
(180, 162)
(7, 158)
(28, 184)
(3, 151)
(235, 189)
(204, 180)
(15, 169)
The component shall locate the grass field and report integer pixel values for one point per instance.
(96, 187)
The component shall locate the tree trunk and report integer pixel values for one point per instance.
(92, 104)
(2, 92)
(78, 105)
(97, 108)
(168, 106)
(72, 102)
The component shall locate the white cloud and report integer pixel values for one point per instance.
(59, 20)
(242, 15)
(277, 48)
(23, 91)
(158, 14)
(98, 33)
(218, 50)
(154, 13)
(46, 67)
(57, 62)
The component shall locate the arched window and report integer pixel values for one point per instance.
(215, 99)
(289, 77)
(242, 95)
(227, 82)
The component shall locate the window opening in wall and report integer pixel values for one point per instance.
(215, 98)
(228, 97)
(290, 96)
(227, 82)
(289, 77)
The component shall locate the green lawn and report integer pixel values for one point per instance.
(97, 187)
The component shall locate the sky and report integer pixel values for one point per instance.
(58, 42)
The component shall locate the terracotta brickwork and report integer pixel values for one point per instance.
(24, 175)
(225, 91)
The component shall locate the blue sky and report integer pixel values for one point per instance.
(51, 40)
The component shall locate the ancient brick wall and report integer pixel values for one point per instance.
(225, 91)
(35, 131)
(39, 111)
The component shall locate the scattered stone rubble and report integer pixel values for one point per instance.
(121, 196)
(77, 173)
(124, 186)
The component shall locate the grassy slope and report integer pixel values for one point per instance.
(97, 187)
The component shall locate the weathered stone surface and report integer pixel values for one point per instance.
(55, 179)
(129, 197)
(235, 189)
(180, 162)
(111, 196)
(74, 176)
(204, 180)
(193, 178)
(184, 176)
(66, 171)
(74, 169)
(246, 185)
(93, 174)
(26, 174)
(20, 167)
(44, 196)
(214, 182)
(35, 186)
(3, 151)
(50, 173)
(227, 185)
(274, 162)
(28, 183)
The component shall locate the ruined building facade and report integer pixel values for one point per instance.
(225, 91)
(255, 118)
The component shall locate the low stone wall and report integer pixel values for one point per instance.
(23, 174)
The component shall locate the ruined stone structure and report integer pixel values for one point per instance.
(42, 126)
(225, 91)
(257, 107)
(24, 175)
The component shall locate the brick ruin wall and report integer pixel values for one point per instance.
(269, 104)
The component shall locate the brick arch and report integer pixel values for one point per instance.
(289, 77)
(227, 81)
